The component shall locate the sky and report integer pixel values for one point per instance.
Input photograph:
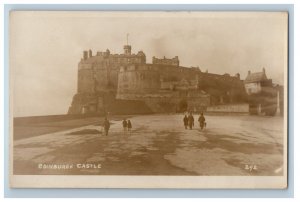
(46, 47)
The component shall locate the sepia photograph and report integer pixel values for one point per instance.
(148, 99)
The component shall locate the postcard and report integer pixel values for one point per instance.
(148, 99)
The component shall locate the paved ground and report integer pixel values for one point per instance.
(158, 145)
(31, 126)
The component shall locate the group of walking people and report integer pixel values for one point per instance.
(188, 121)
(126, 126)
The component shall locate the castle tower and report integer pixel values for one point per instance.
(127, 48)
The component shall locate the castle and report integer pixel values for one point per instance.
(125, 83)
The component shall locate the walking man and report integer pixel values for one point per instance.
(201, 121)
(185, 121)
(124, 126)
(106, 126)
(129, 126)
(191, 121)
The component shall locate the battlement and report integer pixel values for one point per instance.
(224, 77)
(139, 58)
(104, 54)
(166, 61)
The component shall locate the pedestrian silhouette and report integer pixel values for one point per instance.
(106, 126)
(124, 126)
(202, 121)
(185, 121)
(191, 121)
(129, 126)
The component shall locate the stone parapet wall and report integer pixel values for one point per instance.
(166, 61)
(230, 108)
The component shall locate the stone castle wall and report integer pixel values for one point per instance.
(138, 79)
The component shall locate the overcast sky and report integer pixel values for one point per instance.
(45, 47)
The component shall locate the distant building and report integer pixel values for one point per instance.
(262, 94)
(256, 82)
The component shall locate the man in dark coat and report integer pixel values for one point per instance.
(201, 121)
(191, 121)
(185, 121)
(106, 126)
(129, 126)
(124, 126)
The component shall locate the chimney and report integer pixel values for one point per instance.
(264, 71)
(90, 53)
(249, 72)
(85, 55)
